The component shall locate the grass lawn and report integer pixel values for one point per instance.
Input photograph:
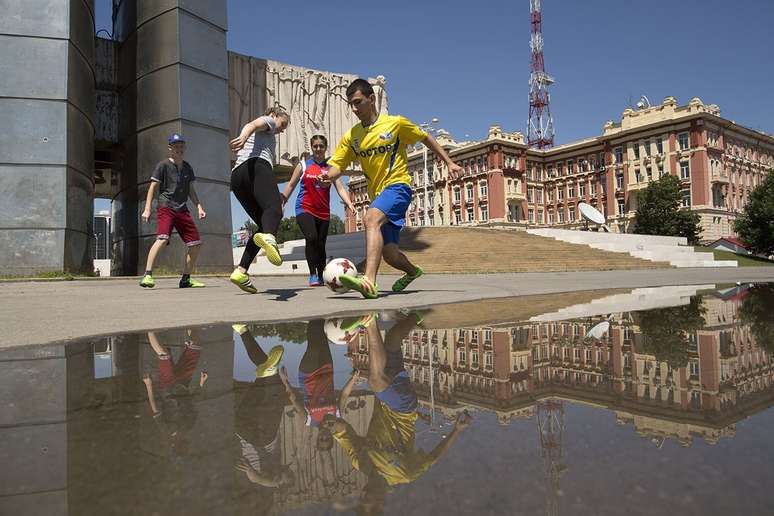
(742, 261)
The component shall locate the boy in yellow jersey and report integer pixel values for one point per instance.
(387, 454)
(379, 142)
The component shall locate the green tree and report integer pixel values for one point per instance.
(336, 226)
(250, 226)
(756, 224)
(294, 332)
(288, 230)
(666, 329)
(659, 213)
(758, 311)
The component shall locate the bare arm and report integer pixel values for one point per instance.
(149, 390)
(149, 201)
(434, 146)
(283, 374)
(344, 194)
(195, 199)
(462, 422)
(295, 177)
(249, 128)
(347, 390)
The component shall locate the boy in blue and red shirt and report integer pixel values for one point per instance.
(313, 210)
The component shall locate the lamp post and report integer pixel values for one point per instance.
(430, 128)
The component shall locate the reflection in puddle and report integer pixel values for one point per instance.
(584, 403)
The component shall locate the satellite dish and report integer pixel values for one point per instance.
(598, 330)
(590, 213)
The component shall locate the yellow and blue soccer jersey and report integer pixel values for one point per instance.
(381, 150)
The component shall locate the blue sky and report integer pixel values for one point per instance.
(467, 63)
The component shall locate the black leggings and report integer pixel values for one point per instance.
(316, 233)
(318, 351)
(255, 187)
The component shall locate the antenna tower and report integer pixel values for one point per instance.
(540, 126)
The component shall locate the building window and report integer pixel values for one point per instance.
(571, 213)
(659, 145)
(619, 154)
(470, 213)
(550, 217)
(483, 188)
(550, 171)
(647, 147)
(638, 175)
(570, 169)
(469, 192)
(685, 172)
(636, 149)
(571, 190)
(456, 194)
(560, 192)
(649, 173)
(488, 359)
(484, 213)
(660, 171)
(550, 192)
(619, 180)
(601, 159)
(621, 207)
(560, 211)
(559, 169)
(582, 189)
(531, 215)
(540, 216)
(593, 187)
(530, 194)
(686, 198)
(683, 140)
(457, 217)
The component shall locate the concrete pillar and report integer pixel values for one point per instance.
(47, 144)
(172, 75)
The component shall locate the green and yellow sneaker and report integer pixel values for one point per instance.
(239, 328)
(191, 283)
(242, 280)
(406, 279)
(147, 281)
(269, 368)
(360, 283)
(268, 243)
(349, 324)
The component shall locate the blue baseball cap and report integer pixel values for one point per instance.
(175, 138)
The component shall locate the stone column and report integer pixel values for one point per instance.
(47, 143)
(173, 77)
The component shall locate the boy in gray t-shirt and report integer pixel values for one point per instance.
(174, 178)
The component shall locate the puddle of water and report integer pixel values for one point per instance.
(629, 402)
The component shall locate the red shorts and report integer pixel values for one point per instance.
(182, 372)
(181, 221)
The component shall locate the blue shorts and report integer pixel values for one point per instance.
(393, 202)
(400, 395)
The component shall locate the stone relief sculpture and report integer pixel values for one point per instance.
(315, 99)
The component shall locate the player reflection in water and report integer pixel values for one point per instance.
(260, 405)
(386, 455)
(175, 412)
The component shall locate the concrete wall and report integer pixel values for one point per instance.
(46, 146)
(171, 56)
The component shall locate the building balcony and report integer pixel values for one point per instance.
(720, 178)
(638, 186)
(515, 196)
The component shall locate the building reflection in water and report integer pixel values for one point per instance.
(157, 423)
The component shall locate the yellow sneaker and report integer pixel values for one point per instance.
(242, 280)
(269, 368)
(268, 243)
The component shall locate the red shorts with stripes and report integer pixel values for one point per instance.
(181, 221)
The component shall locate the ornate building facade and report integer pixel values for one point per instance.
(504, 182)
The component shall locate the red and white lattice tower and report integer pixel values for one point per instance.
(540, 126)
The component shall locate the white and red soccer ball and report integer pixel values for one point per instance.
(337, 334)
(335, 269)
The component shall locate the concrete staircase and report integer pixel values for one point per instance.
(637, 300)
(466, 250)
(674, 250)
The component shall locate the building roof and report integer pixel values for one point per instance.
(731, 240)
